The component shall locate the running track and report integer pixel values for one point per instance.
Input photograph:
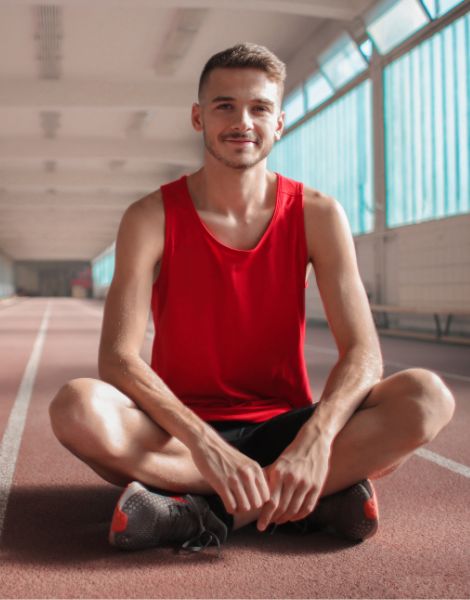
(55, 512)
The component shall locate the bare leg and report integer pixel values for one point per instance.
(401, 413)
(105, 429)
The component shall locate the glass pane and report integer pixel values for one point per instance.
(393, 22)
(437, 8)
(332, 152)
(443, 6)
(318, 90)
(294, 106)
(342, 62)
(427, 132)
(367, 49)
(431, 7)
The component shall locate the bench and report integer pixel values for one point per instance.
(442, 328)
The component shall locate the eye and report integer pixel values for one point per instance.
(224, 106)
(261, 108)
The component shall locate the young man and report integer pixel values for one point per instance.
(220, 431)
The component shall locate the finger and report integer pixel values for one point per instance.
(228, 499)
(252, 491)
(238, 490)
(268, 509)
(263, 487)
(308, 506)
(284, 503)
(293, 508)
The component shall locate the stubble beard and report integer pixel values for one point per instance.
(241, 164)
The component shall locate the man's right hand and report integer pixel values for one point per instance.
(236, 478)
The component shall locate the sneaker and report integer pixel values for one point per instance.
(144, 519)
(351, 513)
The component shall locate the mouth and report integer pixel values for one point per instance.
(240, 141)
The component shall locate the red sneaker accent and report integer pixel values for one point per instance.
(370, 509)
(119, 522)
(180, 499)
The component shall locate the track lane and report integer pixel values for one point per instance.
(55, 534)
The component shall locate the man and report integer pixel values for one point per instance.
(220, 431)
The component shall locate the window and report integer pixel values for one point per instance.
(437, 8)
(332, 152)
(342, 62)
(103, 268)
(317, 90)
(294, 106)
(367, 49)
(427, 132)
(393, 21)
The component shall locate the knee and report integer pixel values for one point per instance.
(78, 419)
(68, 408)
(427, 404)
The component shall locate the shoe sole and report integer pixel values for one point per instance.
(366, 527)
(119, 520)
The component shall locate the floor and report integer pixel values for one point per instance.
(55, 512)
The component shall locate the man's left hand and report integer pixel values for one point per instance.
(295, 480)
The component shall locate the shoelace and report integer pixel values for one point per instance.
(196, 543)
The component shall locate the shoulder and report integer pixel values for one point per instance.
(142, 226)
(318, 202)
(149, 205)
(144, 217)
(324, 217)
(318, 208)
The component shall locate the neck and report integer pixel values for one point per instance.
(231, 192)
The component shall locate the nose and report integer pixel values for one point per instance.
(242, 120)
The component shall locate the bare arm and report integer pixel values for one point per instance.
(297, 477)
(360, 365)
(139, 246)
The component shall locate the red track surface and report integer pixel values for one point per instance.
(54, 541)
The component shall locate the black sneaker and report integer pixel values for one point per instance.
(352, 513)
(145, 519)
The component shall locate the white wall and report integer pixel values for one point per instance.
(426, 265)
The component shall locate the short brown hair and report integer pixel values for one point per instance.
(246, 56)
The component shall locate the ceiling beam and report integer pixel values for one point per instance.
(19, 199)
(327, 9)
(166, 152)
(77, 94)
(81, 179)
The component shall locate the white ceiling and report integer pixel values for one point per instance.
(95, 100)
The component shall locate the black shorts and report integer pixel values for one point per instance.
(264, 442)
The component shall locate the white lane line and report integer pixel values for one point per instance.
(447, 463)
(11, 441)
(387, 363)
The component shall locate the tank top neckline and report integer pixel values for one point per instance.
(212, 236)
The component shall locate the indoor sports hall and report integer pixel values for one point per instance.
(95, 114)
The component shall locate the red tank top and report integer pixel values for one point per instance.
(230, 323)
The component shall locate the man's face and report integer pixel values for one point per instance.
(240, 116)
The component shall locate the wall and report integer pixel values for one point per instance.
(426, 265)
(47, 278)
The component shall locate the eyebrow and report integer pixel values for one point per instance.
(231, 99)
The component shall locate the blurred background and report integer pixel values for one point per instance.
(95, 101)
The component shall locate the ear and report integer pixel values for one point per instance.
(196, 117)
(280, 125)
